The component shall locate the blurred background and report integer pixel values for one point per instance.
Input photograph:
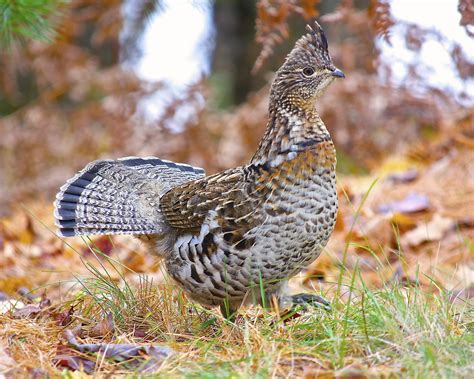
(187, 80)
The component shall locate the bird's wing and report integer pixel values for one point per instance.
(234, 199)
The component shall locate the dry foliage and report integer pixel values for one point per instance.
(412, 229)
(71, 102)
(75, 97)
(466, 8)
(272, 23)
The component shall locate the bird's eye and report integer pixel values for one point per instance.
(308, 71)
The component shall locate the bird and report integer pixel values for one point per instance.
(236, 237)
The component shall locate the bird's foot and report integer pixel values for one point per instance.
(306, 300)
(228, 312)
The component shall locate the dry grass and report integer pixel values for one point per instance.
(399, 309)
(392, 331)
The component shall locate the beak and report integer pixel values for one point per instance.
(338, 73)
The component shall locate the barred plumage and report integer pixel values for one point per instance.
(118, 197)
(225, 236)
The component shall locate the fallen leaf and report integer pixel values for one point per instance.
(404, 176)
(402, 221)
(317, 373)
(136, 262)
(375, 233)
(32, 309)
(354, 371)
(103, 244)
(434, 230)
(67, 357)
(65, 318)
(318, 269)
(413, 202)
(103, 328)
(6, 362)
(147, 358)
(27, 234)
(340, 224)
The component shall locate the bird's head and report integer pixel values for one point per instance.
(307, 71)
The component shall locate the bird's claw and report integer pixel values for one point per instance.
(305, 299)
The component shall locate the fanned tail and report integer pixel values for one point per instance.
(119, 196)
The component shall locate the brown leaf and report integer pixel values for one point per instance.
(147, 358)
(103, 328)
(318, 269)
(407, 176)
(103, 244)
(65, 318)
(67, 357)
(318, 373)
(403, 222)
(434, 230)
(354, 371)
(6, 362)
(32, 310)
(27, 234)
(375, 233)
(381, 18)
(413, 202)
(466, 8)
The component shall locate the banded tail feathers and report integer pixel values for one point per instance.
(118, 196)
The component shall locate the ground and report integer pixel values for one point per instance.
(398, 270)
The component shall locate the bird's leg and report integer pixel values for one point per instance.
(305, 300)
(227, 311)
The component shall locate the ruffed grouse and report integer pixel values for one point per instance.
(237, 236)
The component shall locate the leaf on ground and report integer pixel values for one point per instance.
(27, 234)
(354, 371)
(407, 176)
(32, 310)
(6, 362)
(403, 222)
(375, 233)
(148, 358)
(319, 269)
(317, 373)
(434, 230)
(65, 318)
(103, 328)
(103, 244)
(66, 357)
(413, 202)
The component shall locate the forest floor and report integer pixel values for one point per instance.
(399, 272)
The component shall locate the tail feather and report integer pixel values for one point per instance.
(119, 196)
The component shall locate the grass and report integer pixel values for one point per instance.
(398, 330)
(394, 331)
